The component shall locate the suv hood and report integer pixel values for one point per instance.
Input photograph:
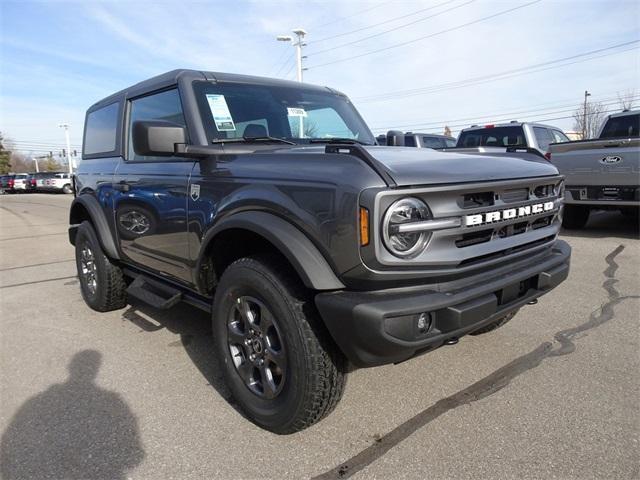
(421, 166)
(409, 166)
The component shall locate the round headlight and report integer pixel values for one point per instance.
(405, 211)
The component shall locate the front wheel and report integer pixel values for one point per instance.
(277, 357)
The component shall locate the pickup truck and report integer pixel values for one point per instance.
(603, 173)
(413, 139)
(267, 204)
(514, 134)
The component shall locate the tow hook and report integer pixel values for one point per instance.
(451, 341)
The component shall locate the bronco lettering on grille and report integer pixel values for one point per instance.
(508, 214)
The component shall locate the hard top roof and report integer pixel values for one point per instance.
(171, 78)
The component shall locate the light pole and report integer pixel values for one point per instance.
(584, 118)
(66, 136)
(300, 34)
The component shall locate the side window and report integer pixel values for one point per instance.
(409, 141)
(100, 130)
(543, 137)
(559, 137)
(160, 106)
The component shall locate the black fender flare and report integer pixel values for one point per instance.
(303, 255)
(99, 221)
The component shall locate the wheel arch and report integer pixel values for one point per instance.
(87, 208)
(235, 234)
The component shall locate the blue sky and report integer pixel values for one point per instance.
(59, 57)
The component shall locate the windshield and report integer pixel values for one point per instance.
(493, 137)
(231, 110)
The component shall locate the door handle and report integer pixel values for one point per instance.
(122, 186)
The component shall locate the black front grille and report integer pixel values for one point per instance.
(508, 251)
(515, 195)
(478, 199)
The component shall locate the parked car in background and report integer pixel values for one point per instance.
(603, 173)
(56, 182)
(20, 182)
(41, 178)
(6, 183)
(420, 140)
(513, 134)
(13, 183)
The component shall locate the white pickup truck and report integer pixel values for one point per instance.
(603, 173)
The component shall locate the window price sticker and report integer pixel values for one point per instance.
(220, 112)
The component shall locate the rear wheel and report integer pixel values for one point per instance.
(575, 216)
(277, 357)
(67, 189)
(493, 325)
(101, 282)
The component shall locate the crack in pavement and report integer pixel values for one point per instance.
(33, 236)
(36, 265)
(18, 215)
(490, 384)
(36, 281)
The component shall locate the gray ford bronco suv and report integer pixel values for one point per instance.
(268, 204)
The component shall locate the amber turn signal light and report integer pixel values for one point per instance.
(364, 227)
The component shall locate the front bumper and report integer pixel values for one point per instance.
(379, 327)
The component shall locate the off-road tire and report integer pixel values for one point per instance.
(575, 216)
(110, 293)
(493, 325)
(315, 375)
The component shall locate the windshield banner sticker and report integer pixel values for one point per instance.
(221, 113)
(296, 112)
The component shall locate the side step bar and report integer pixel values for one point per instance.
(162, 294)
(156, 294)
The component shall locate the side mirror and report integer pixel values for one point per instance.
(395, 138)
(157, 138)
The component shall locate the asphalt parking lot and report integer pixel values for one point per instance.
(136, 393)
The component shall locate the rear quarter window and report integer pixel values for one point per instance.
(493, 137)
(622, 127)
(100, 131)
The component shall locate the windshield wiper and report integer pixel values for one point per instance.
(337, 140)
(265, 138)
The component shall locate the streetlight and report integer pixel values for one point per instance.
(300, 33)
(584, 119)
(66, 136)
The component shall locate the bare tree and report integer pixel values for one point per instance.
(627, 99)
(589, 121)
(447, 131)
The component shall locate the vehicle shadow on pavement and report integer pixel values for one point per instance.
(72, 430)
(603, 224)
(194, 327)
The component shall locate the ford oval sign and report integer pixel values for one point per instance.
(611, 160)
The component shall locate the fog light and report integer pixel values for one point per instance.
(423, 323)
